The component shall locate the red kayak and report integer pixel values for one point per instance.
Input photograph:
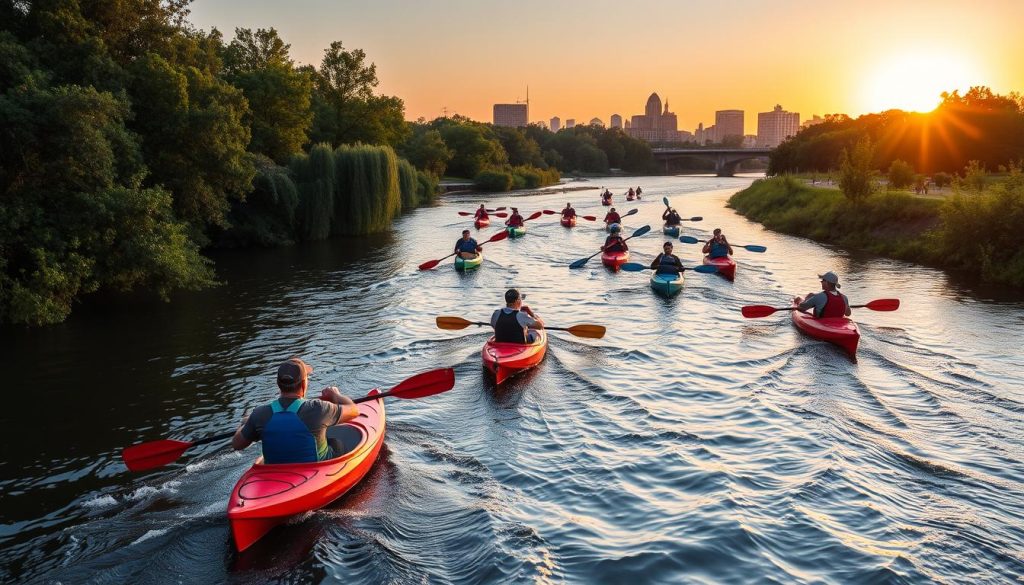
(629, 198)
(614, 259)
(268, 495)
(482, 222)
(841, 331)
(726, 266)
(508, 359)
(568, 221)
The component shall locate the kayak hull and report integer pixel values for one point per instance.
(671, 230)
(629, 198)
(614, 260)
(504, 360)
(568, 221)
(726, 266)
(470, 263)
(840, 331)
(667, 285)
(516, 232)
(480, 223)
(268, 495)
(606, 202)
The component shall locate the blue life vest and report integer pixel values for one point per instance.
(286, 439)
(466, 245)
(668, 264)
(718, 250)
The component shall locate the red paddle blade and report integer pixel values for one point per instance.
(754, 311)
(502, 208)
(498, 236)
(548, 212)
(153, 454)
(533, 216)
(884, 305)
(425, 384)
(430, 264)
(589, 217)
(500, 214)
(465, 213)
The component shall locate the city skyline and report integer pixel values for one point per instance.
(749, 57)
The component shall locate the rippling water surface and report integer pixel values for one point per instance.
(689, 445)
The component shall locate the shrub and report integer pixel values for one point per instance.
(942, 180)
(901, 174)
(493, 180)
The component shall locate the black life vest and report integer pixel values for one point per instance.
(507, 329)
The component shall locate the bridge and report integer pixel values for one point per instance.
(726, 159)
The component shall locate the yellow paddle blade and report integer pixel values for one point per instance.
(453, 323)
(591, 331)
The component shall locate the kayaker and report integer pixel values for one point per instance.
(630, 193)
(718, 246)
(667, 262)
(614, 242)
(515, 220)
(481, 213)
(671, 217)
(827, 303)
(292, 428)
(513, 322)
(466, 247)
(611, 217)
(568, 212)
(639, 192)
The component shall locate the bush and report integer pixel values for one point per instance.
(942, 180)
(974, 178)
(855, 172)
(408, 184)
(493, 180)
(901, 175)
(981, 233)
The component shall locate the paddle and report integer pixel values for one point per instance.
(586, 217)
(591, 331)
(159, 453)
(754, 311)
(432, 263)
(498, 214)
(583, 262)
(637, 267)
(748, 247)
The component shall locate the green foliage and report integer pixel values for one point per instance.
(942, 179)
(975, 177)
(855, 171)
(368, 196)
(408, 184)
(981, 233)
(900, 175)
(426, 149)
(428, 187)
(493, 180)
(473, 149)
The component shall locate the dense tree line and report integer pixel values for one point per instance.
(978, 125)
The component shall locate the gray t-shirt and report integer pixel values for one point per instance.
(524, 319)
(818, 301)
(315, 413)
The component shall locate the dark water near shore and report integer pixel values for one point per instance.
(689, 445)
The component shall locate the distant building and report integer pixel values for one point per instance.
(814, 121)
(616, 121)
(570, 122)
(656, 124)
(556, 124)
(775, 126)
(627, 125)
(728, 123)
(750, 141)
(596, 122)
(512, 115)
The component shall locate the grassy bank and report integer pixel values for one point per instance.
(980, 233)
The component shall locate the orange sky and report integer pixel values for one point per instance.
(585, 59)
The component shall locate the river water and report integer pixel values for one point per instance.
(688, 445)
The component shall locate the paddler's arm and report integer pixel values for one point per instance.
(349, 410)
(654, 263)
(538, 323)
(239, 441)
(707, 248)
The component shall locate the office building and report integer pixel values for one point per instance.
(616, 121)
(556, 124)
(570, 122)
(728, 123)
(596, 122)
(511, 115)
(776, 126)
(657, 124)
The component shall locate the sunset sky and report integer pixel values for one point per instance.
(592, 58)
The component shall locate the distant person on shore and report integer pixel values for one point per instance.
(293, 429)
(671, 217)
(514, 322)
(481, 213)
(466, 247)
(515, 220)
(614, 241)
(718, 246)
(667, 262)
(611, 218)
(568, 212)
(829, 302)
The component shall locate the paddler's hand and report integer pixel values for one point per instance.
(332, 394)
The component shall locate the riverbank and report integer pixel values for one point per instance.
(978, 234)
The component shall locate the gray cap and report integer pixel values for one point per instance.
(830, 277)
(292, 372)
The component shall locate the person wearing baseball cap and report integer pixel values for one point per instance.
(513, 322)
(292, 428)
(829, 302)
(514, 220)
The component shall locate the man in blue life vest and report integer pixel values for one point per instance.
(829, 302)
(718, 246)
(667, 262)
(513, 322)
(466, 247)
(293, 429)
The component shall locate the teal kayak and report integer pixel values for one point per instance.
(667, 285)
(470, 263)
(516, 232)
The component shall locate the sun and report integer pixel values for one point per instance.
(915, 81)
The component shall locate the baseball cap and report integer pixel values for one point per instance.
(292, 372)
(830, 277)
(614, 227)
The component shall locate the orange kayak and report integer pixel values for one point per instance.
(508, 359)
(841, 331)
(482, 222)
(268, 495)
(614, 259)
(568, 221)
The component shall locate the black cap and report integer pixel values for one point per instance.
(511, 296)
(292, 372)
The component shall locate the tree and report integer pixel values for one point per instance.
(855, 171)
(900, 175)
(427, 151)
(975, 177)
(474, 151)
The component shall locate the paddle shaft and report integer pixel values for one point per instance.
(481, 323)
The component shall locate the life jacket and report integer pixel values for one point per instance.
(568, 212)
(669, 264)
(631, 191)
(286, 439)
(615, 244)
(515, 221)
(612, 218)
(508, 329)
(464, 246)
(481, 214)
(835, 306)
(718, 250)
(673, 219)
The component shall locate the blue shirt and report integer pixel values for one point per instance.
(469, 245)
